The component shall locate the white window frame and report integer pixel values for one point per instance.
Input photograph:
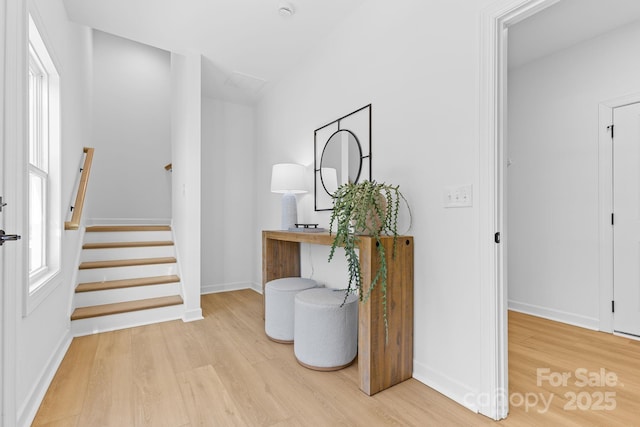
(47, 166)
(38, 156)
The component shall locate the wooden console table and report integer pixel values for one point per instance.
(380, 364)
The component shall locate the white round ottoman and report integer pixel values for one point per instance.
(279, 300)
(325, 330)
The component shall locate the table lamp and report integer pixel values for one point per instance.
(288, 179)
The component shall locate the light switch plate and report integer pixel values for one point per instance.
(458, 196)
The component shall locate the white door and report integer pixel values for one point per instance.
(626, 229)
(12, 140)
(2, 278)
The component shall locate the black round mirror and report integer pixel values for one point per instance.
(341, 161)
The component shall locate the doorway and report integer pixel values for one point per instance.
(559, 206)
(557, 228)
(493, 169)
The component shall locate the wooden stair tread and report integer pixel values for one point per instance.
(112, 245)
(125, 307)
(126, 262)
(112, 228)
(126, 283)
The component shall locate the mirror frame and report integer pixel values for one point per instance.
(358, 123)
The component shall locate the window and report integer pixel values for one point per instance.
(38, 164)
(44, 167)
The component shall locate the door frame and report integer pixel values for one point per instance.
(605, 195)
(13, 132)
(495, 21)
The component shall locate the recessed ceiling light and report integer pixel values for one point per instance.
(285, 9)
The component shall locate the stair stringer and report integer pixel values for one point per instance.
(188, 315)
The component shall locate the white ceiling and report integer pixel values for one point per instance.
(247, 40)
(246, 44)
(565, 24)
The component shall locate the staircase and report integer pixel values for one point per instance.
(127, 277)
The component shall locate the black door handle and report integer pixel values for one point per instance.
(7, 237)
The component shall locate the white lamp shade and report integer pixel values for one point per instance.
(287, 178)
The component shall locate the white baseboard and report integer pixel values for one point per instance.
(556, 315)
(128, 221)
(453, 389)
(192, 315)
(227, 287)
(29, 409)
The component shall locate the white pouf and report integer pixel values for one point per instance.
(325, 330)
(279, 300)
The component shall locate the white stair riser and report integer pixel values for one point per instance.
(119, 273)
(126, 320)
(126, 236)
(127, 253)
(86, 299)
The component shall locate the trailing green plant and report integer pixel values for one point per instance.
(367, 208)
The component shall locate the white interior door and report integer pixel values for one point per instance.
(12, 142)
(2, 278)
(626, 229)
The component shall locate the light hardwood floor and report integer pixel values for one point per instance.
(223, 371)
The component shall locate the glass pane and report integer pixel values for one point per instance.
(37, 111)
(33, 117)
(37, 232)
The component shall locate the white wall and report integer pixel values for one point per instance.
(131, 130)
(43, 336)
(553, 181)
(186, 118)
(227, 196)
(418, 65)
